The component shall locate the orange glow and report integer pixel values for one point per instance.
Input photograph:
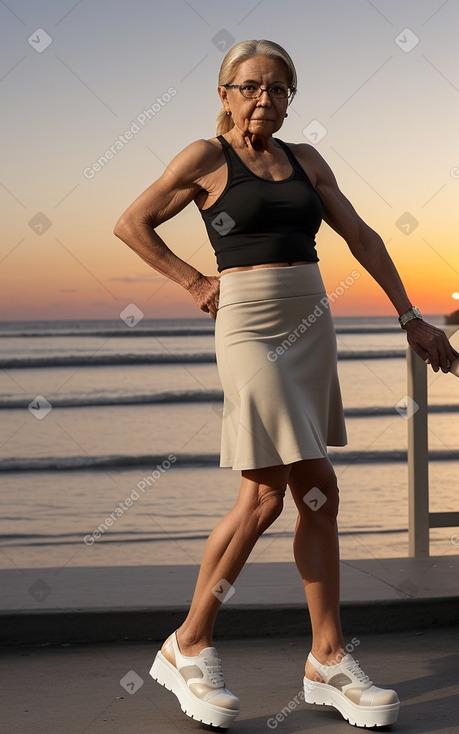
(389, 115)
(82, 281)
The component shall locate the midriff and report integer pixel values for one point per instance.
(267, 265)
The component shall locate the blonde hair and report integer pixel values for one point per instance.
(241, 52)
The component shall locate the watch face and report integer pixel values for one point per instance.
(417, 312)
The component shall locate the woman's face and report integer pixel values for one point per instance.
(262, 116)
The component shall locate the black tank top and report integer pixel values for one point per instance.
(256, 221)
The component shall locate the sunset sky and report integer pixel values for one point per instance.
(380, 76)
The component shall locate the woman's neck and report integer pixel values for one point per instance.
(251, 141)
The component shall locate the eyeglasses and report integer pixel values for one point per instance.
(251, 91)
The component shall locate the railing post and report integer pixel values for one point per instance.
(418, 457)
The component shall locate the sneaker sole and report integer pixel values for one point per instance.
(168, 676)
(363, 716)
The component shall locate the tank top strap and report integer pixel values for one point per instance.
(237, 171)
(231, 158)
(293, 160)
(295, 163)
(223, 141)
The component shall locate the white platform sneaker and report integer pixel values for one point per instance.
(350, 690)
(197, 682)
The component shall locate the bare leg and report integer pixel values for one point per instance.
(259, 503)
(316, 553)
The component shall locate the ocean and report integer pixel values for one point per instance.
(110, 437)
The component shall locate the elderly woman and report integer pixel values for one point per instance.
(262, 201)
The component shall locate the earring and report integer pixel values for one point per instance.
(286, 114)
(229, 114)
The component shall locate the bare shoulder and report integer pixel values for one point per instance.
(196, 160)
(316, 167)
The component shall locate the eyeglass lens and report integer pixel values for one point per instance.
(278, 91)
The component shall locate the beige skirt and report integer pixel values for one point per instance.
(277, 361)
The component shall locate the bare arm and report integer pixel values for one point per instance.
(161, 201)
(369, 249)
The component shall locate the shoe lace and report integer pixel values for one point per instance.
(356, 670)
(214, 670)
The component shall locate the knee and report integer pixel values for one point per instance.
(323, 499)
(331, 492)
(270, 503)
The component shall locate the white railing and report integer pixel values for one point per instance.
(420, 519)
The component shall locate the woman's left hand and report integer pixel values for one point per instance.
(431, 344)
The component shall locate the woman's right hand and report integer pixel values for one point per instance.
(205, 291)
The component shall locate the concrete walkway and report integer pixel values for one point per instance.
(72, 605)
(401, 616)
(106, 688)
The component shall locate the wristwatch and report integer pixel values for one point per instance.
(413, 313)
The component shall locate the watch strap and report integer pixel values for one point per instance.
(412, 313)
